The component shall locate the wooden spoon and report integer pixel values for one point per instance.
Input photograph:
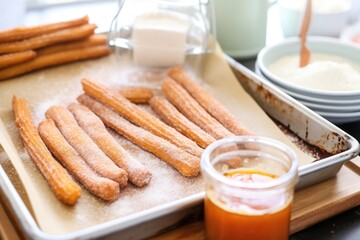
(304, 51)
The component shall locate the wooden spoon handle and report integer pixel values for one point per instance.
(304, 51)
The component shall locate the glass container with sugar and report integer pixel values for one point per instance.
(160, 33)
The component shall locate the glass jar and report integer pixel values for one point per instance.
(163, 32)
(249, 188)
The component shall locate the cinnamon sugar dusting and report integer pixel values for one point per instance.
(61, 86)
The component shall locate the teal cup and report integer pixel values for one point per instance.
(241, 26)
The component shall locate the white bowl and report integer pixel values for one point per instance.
(331, 108)
(340, 118)
(310, 99)
(323, 45)
(336, 106)
(328, 18)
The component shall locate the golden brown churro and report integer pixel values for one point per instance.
(185, 163)
(10, 59)
(192, 110)
(93, 40)
(63, 186)
(174, 118)
(102, 187)
(54, 59)
(83, 144)
(95, 128)
(139, 116)
(136, 94)
(208, 102)
(48, 39)
(28, 32)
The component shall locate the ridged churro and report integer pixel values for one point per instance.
(136, 94)
(54, 59)
(10, 59)
(61, 183)
(93, 40)
(185, 163)
(139, 116)
(104, 188)
(208, 102)
(174, 118)
(68, 34)
(188, 106)
(82, 143)
(20, 33)
(95, 128)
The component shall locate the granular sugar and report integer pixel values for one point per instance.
(61, 86)
(325, 72)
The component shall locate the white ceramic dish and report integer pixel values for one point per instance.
(310, 99)
(340, 118)
(337, 111)
(331, 108)
(269, 55)
(325, 20)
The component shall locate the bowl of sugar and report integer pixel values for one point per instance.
(332, 76)
(333, 71)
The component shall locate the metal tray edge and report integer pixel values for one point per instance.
(317, 168)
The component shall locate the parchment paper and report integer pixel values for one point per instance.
(61, 85)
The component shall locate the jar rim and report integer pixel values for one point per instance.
(289, 178)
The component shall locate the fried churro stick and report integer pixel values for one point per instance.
(19, 33)
(10, 59)
(99, 186)
(187, 164)
(95, 128)
(208, 102)
(174, 118)
(63, 186)
(192, 110)
(139, 116)
(93, 40)
(68, 34)
(54, 59)
(83, 144)
(137, 94)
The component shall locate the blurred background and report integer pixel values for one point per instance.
(269, 18)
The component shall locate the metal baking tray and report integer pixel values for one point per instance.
(304, 124)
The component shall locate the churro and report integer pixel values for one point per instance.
(174, 118)
(188, 106)
(95, 128)
(68, 34)
(19, 33)
(61, 183)
(99, 186)
(54, 59)
(10, 59)
(185, 163)
(136, 94)
(83, 144)
(93, 40)
(208, 102)
(139, 116)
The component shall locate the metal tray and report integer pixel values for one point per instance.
(297, 118)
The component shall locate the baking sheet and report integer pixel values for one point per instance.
(61, 85)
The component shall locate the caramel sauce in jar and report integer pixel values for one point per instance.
(250, 182)
(238, 218)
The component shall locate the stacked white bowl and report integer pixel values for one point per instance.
(336, 106)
